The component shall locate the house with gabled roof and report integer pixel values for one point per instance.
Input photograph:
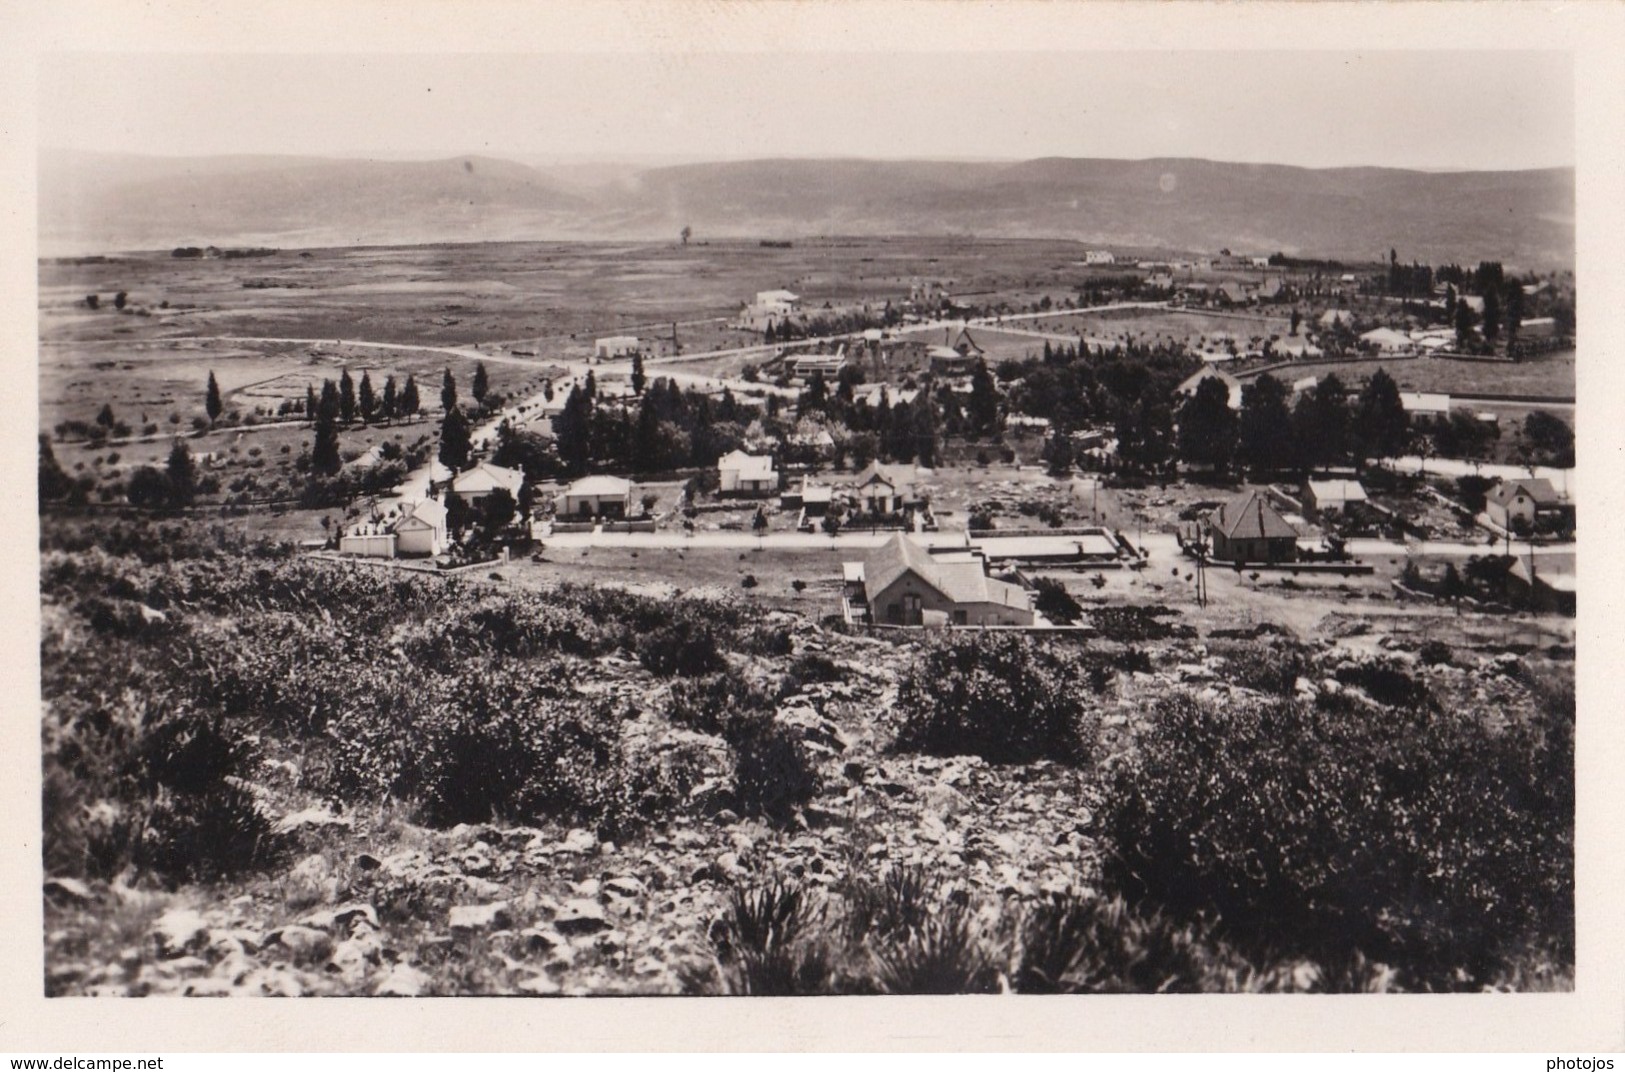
(596, 496)
(1528, 504)
(883, 489)
(901, 583)
(753, 475)
(1248, 529)
(476, 485)
(421, 528)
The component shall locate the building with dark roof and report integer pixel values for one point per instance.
(1248, 529)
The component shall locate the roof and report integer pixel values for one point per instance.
(1332, 316)
(962, 580)
(618, 340)
(600, 485)
(486, 477)
(964, 339)
(1208, 372)
(1424, 402)
(1537, 488)
(817, 493)
(1555, 578)
(1387, 337)
(1347, 491)
(1249, 517)
(764, 296)
(898, 477)
(750, 466)
(430, 511)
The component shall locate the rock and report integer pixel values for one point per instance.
(308, 818)
(625, 886)
(541, 986)
(483, 917)
(727, 864)
(178, 932)
(582, 841)
(352, 958)
(305, 943)
(312, 870)
(344, 919)
(403, 981)
(580, 916)
(587, 887)
(540, 940)
(68, 891)
(477, 860)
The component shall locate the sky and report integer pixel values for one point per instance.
(1454, 110)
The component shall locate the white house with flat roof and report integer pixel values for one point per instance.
(739, 473)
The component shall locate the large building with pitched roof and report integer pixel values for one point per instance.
(1248, 529)
(900, 583)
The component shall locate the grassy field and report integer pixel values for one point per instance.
(1547, 375)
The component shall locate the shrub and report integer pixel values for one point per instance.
(765, 945)
(206, 836)
(1386, 682)
(1436, 653)
(773, 772)
(1054, 602)
(1004, 698)
(1421, 839)
(1071, 945)
(714, 703)
(680, 651)
(944, 955)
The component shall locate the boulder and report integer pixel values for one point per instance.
(68, 891)
(178, 932)
(581, 916)
(484, 917)
(403, 981)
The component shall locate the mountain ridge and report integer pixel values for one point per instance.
(103, 202)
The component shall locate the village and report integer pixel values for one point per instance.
(896, 451)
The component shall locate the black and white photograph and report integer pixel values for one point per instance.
(807, 522)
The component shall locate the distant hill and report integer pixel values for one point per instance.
(93, 202)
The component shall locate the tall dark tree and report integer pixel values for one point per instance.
(324, 452)
(982, 411)
(182, 474)
(1465, 318)
(482, 383)
(925, 432)
(310, 401)
(54, 481)
(390, 401)
(1320, 424)
(638, 378)
(815, 398)
(1264, 432)
(1380, 425)
(211, 399)
(573, 432)
(1450, 303)
(121, 299)
(346, 397)
(367, 401)
(459, 515)
(410, 403)
(1492, 314)
(1207, 427)
(105, 418)
(1297, 319)
(456, 440)
(448, 392)
(1514, 312)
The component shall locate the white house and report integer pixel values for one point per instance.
(478, 483)
(596, 496)
(1423, 407)
(369, 539)
(1322, 497)
(421, 528)
(1389, 341)
(770, 307)
(1099, 256)
(616, 346)
(753, 475)
(900, 583)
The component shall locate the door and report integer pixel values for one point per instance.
(911, 609)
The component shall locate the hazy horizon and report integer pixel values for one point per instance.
(1419, 110)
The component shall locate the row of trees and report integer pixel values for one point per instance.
(1269, 433)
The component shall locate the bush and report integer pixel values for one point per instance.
(773, 772)
(1005, 698)
(946, 954)
(766, 947)
(1420, 839)
(716, 702)
(680, 651)
(1054, 602)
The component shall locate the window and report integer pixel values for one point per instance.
(959, 617)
